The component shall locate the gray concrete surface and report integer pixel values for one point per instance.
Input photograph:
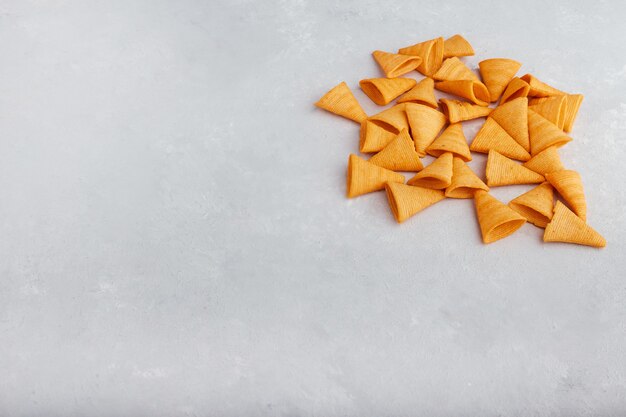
(175, 240)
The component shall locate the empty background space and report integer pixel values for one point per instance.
(175, 238)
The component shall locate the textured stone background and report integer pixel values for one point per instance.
(175, 240)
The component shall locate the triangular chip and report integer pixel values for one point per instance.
(431, 53)
(497, 73)
(365, 177)
(474, 91)
(545, 161)
(552, 108)
(459, 111)
(540, 89)
(501, 170)
(513, 117)
(492, 136)
(406, 200)
(451, 140)
(426, 123)
(454, 69)
(393, 119)
(395, 65)
(422, 93)
(536, 205)
(570, 186)
(464, 181)
(437, 175)
(572, 104)
(373, 137)
(517, 88)
(496, 219)
(544, 133)
(569, 228)
(399, 155)
(341, 101)
(457, 45)
(383, 90)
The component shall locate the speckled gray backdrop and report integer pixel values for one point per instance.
(175, 240)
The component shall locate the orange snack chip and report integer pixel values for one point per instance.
(341, 101)
(573, 102)
(453, 69)
(399, 154)
(540, 89)
(544, 133)
(570, 186)
(497, 73)
(426, 123)
(437, 175)
(383, 90)
(395, 65)
(552, 108)
(464, 181)
(567, 227)
(365, 177)
(457, 45)
(407, 200)
(504, 171)
(474, 91)
(536, 205)
(517, 88)
(545, 161)
(492, 136)
(459, 111)
(496, 219)
(373, 137)
(431, 53)
(513, 117)
(393, 119)
(422, 93)
(451, 140)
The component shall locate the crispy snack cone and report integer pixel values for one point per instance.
(552, 108)
(364, 177)
(492, 136)
(437, 175)
(572, 104)
(464, 182)
(513, 117)
(395, 65)
(393, 119)
(341, 101)
(545, 161)
(566, 227)
(536, 205)
(406, 200)
(431, 53)
(496, 219)
(474, 91)
(570, 186)
(399, 154)
(459, 111)
(422, 93)
(451, 140)
(426, 123)
(497, 73)
(453, 69)
(373, 137)
(544, 133)
(383, 90)
(503, 171)
(540, 89)
(457, 45)
(517, 88)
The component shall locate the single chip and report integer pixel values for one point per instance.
(364, 177)
(496, 219)
(373, 137)
(406, 200)
(544, 133)
(464, 181)
(497, 73)
(545, 161)
(540, 89)
(517, 88)
(457, 45)
(431, 53)
(492, 136)
(572, 104)
(395, 65)
(513, 117)
(536, 205)
(451, 140)
(474, 91)
(426, 123)
(552, 108)
(341, 101)
(393, 119)
(383, 90)
(422, 93)
(437, 175)
(459, 111)
(399, 154)
(566, 227)
(570, 186)
(454, 69)
(501, 170)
